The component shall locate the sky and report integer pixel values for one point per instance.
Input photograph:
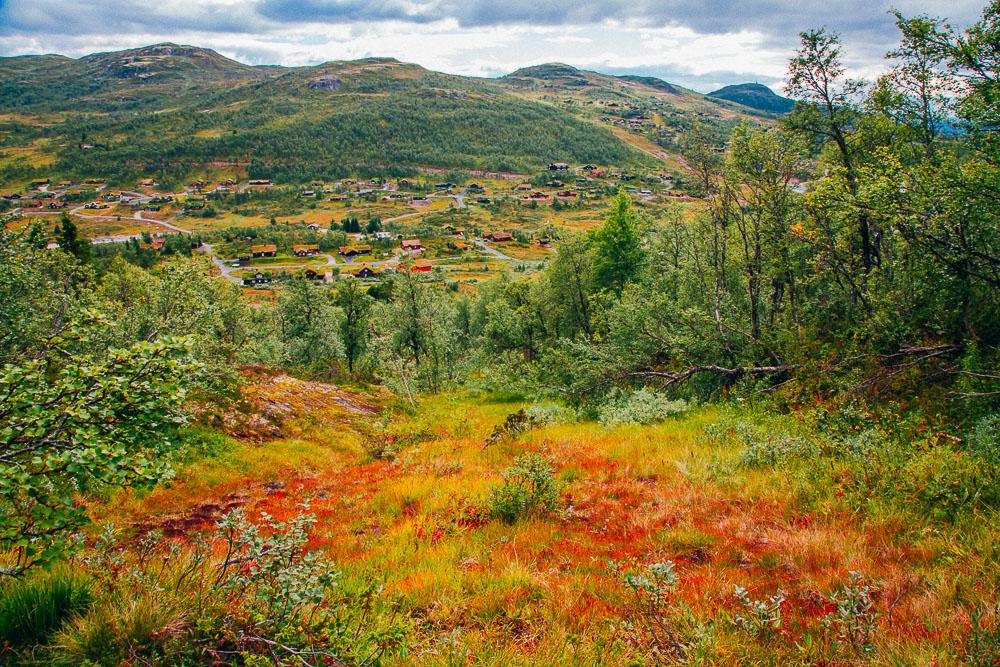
(700, 44)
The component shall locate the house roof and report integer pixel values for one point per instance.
(411, 243)
(305, 247)
(267, 247)
(363, 267)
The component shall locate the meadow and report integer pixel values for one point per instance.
(405, 502)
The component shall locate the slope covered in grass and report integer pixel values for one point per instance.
(404, 499)
(170, 110)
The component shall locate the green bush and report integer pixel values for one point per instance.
(31, 609)
(248, 593)
(548, 414)
(855, 620)
(759, 618)
(529, 488)
(945, 482)
(643, 406)
(984, 441)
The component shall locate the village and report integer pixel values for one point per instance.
(459, 228)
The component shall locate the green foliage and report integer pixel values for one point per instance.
(37, 289)
(529, 489)
(69, 239)
(618, 254)
(758, 618)
(356, 305)
(249, 591)
(85, 420)
(982, 647)
(34, 607)
(416, 340)
(984, 440)
(855, 620)
(643, 406)
(308, 325)
(548, 414)
(763, 446)
(655, 623)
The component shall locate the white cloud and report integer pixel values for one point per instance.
(697, 43)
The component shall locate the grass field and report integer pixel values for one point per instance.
(403, 497)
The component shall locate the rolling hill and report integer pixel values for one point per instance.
(168, 110)
(755, 96)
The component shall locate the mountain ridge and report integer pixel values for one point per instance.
(167, 108)
(754, 95)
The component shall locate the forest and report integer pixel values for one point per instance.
(830, 350)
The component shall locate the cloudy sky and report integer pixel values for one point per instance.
(702, 44)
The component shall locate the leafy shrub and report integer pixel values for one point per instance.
(982, 646)
(656, 623)
(548, 414)
(945, 482)
(984, 441)
(761, 446)
(31, 609)
(247, 594)
(529, 488)
(840, 420)
(855, 620)
(643, 406)
(759, 618)
(96, 418)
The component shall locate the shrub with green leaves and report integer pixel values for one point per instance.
(758, 618)
(81, 418)
(761, 446)
(548, 414)
(248, 593)
(643, 406)
(660, 627)
(529, 488)
(984, 441)
(855, 619)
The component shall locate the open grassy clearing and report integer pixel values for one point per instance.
(403, 498)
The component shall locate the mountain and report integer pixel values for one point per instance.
(109, 81)
(561, 75)
(169, 110)
(755, 96)
(549, 74)
(651, 82)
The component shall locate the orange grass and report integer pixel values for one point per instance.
(540, 591)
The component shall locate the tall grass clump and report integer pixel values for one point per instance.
(33, 608)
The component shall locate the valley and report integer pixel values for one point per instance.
(356, 363)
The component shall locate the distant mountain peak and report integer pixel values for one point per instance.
(546, 71)
(756, 96)
(651, 82)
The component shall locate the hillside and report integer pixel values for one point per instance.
(168, 111)
(563, 77)
(651, 82)
(150, 76)
(328, 120)
(755, 96)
